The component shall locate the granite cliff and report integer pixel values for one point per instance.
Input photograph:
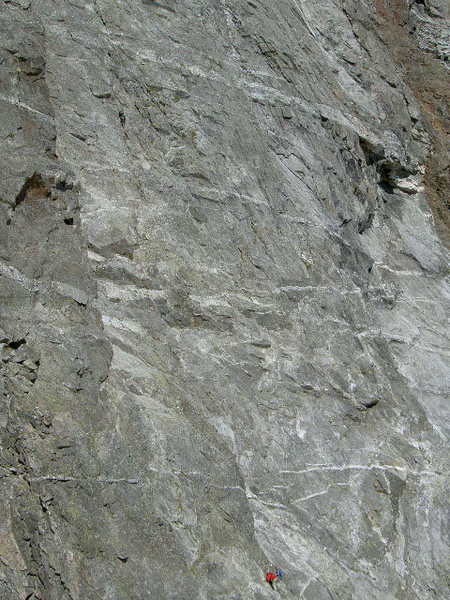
(224, 299)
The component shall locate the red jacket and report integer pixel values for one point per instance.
(270, 577)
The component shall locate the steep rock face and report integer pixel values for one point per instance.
(224, 306)
(417, 33)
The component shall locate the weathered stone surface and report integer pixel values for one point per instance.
(417, 33)
(224, 304)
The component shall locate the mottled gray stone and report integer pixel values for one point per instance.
(223, 302)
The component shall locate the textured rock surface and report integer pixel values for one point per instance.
(224, 304)
(418, 35)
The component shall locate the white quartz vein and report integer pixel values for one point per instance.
(337, 468)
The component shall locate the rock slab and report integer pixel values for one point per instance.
(224, 304)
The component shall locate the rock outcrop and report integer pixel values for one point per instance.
(224, 304)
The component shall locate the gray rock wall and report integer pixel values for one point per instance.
(224, 306)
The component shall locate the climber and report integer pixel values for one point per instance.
(279, 573)
(270, 578)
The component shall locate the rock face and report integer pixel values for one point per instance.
(223, 303)
(417, 34)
